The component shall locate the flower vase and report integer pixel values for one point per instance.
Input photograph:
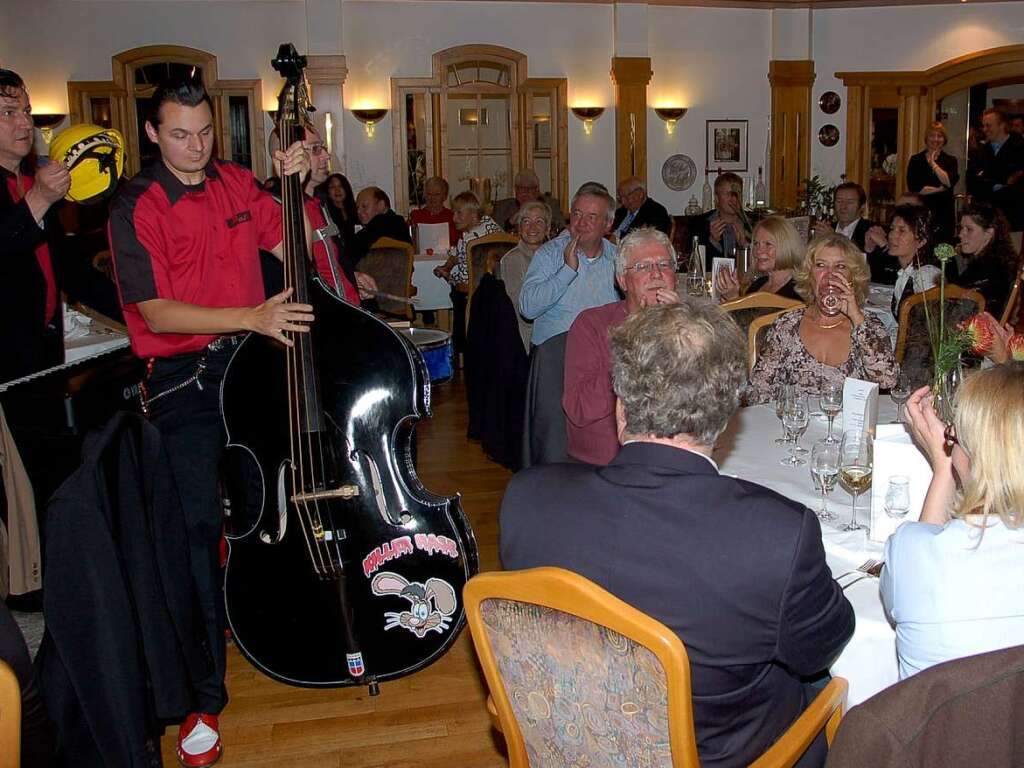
(946, 385)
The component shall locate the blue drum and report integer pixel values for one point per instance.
(436, 348)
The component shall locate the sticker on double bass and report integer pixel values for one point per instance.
(397, 548)
(431, 604)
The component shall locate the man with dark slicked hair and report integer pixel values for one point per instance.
(185, 235)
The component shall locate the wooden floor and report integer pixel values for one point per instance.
(434, 718)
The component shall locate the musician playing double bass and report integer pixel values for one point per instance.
(185, 235)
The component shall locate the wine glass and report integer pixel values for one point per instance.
(856, 461)
(825, 472)
(783, 394)
(897, 497)
(900, 393)
(794, 419)
(831, 402)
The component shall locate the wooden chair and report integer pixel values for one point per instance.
(389, 262)
(482, 256)
(1013, 301)
(557, 640)
(746, 309)
(913, 340)
(10, 718)
(757, 332)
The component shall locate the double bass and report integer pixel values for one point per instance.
(342, 568)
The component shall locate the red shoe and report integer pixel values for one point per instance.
(199, 741)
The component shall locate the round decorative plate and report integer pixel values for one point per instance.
(679, 172)
(828, 135)
(829, 102)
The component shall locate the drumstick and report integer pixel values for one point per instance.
(413, 300)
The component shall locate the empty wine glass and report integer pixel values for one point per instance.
(825, 472)
(831, 402)
(783, 394)
(856, 461)
(897, 497)
(794, 420)
(900, 393)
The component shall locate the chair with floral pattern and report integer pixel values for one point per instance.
(579, 678)
(913, 340)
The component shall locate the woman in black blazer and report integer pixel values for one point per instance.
(932, 173)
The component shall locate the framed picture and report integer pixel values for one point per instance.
(727, 145)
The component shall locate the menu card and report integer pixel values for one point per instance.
(860, 405)
(896, 454)
(717, 265)
(432, 237)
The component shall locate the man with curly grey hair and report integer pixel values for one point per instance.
(736, 570)
(645, 267)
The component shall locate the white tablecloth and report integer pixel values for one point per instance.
(431, 291)
(747, 450)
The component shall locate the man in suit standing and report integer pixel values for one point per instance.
(737, 570)
(637, 210)
(1000, 179)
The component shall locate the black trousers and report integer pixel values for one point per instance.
(190, 423)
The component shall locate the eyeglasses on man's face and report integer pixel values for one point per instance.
(647, 267)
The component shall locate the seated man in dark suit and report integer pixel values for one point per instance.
(725, 227)
(737, 570)
(527, 188)
(373, 207)
(637, 210)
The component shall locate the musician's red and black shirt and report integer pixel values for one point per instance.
(195, 244)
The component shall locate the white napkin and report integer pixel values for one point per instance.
(896, 454)
(717, 265)
(860, 405)
(433, 237)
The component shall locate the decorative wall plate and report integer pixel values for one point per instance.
(828, 135)
(679, 172)
(829, 102)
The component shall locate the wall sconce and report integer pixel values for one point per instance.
(671, 115)
(588, 115)
(46, 124)
(369, 118)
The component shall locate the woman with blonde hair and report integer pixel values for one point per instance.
(933, 173)
(777, 252)
(952, 582)
(831, 338)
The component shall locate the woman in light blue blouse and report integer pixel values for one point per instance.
(953, 583)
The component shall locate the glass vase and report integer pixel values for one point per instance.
(945, 388)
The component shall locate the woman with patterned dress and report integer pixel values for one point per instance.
(809, 346)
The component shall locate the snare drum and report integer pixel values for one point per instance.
(436, 348)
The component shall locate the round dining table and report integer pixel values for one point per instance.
(748, 450)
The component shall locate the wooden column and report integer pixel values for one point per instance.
(791, 128)
(631, 74)
(326, 74)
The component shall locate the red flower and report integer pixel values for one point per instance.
(1015, 346)
(979, 333)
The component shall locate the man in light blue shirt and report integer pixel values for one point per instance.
(573, 272)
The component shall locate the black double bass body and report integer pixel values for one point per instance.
(382, 568)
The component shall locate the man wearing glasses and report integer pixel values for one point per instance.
(637, 210)
(571, 273)
(527, 187)
(645, 271)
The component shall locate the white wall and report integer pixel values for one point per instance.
(714, 61)
(385, 39)
(897, 38)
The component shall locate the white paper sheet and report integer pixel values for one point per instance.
(432, 237)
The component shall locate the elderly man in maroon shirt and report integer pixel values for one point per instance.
(645, 269)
